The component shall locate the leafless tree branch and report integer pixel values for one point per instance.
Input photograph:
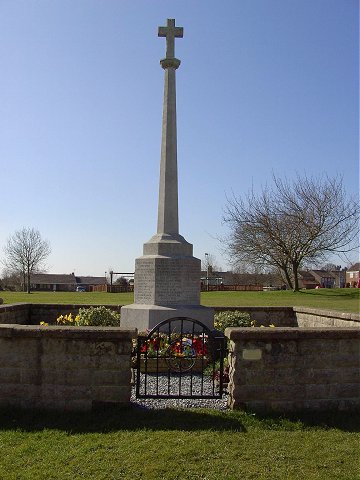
(25, 253)
(291, 224)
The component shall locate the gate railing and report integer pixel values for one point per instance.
(180, 358)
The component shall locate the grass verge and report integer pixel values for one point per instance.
(344, 299)
(133, 443)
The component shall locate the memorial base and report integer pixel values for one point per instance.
(146, 317)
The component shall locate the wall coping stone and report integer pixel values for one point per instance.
(74, 305)
(294, 311)
(85, 333)
(326, 313)
(10, 306)
(14, 306)
(290, 333)
(259, 308)
(355, 317)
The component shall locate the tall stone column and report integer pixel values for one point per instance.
(167, 276)
(168, 220)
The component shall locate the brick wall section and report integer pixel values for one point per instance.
(50, 312)
(15, 314)
(289, 369)
(279, 316)
(64, 368)
(34, 313)
(311, 317)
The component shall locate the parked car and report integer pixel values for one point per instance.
(80, 289)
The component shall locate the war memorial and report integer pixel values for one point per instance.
(167, 276)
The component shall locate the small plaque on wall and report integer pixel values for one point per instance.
(251, 354)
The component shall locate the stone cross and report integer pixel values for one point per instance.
(168, 221)
(170, 32)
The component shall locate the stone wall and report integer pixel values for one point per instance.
(289, 369)
(64, 368)
(313, 317)
(50, 312)
(279, 316)
(33, 314)
(298, 316)
(15, 314)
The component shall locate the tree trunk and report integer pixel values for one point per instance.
(295, 267)
(287, 278)
(28, 281)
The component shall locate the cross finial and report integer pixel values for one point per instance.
(170, 32)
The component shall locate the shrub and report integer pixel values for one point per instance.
(229, 318)
(93, 316)
(98, 317)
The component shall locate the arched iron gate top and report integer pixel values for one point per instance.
(180, 358)
(183, 319)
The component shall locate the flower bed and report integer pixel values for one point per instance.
(171, 352)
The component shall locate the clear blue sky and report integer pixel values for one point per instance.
(264, 85)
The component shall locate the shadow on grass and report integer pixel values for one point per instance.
(345, 421)
(134, 418)
(328, 292)
(110, 419)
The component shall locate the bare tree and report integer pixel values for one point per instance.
(331, 267)
(11, 280)
(291, 224)
(121, 281)
(25, 252)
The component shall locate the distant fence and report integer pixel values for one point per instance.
(204, 288)
(112, 288)
(231, 288)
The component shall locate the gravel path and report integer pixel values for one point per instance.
(189, 385)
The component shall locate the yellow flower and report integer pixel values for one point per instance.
(44, 324)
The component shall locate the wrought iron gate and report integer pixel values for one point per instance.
(180, 358)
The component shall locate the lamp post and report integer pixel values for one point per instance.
(207, 271)
(111, 279)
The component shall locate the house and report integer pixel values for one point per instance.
(353, 276)
(318, 278)
(89, 282)
(340, 277)
(62, 282)
(214, 280)
(307, 280)
(53, 282)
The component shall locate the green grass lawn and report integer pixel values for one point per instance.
(83, 298)
(176, 444)
(345, 299)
